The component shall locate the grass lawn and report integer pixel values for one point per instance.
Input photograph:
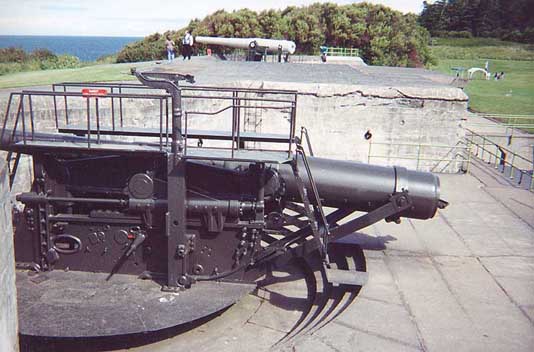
(481, 48)
(106, 72)
(513, 95)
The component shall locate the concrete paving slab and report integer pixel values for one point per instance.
(457, 189)
(493, 313)
(443, 322)
(280, 308)
(515, 276)
(529, 310)
(481, 238)
(381, 286)
(406, 239)
(390, 321)
(511, 266)
(439, 238)
(344, 337)
(519, 202)
(312, 344)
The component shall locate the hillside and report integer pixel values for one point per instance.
(511, 20)
(382, 35)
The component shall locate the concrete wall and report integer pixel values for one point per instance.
(338, 116)
(8, 294)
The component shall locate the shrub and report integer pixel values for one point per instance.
(61, 61)
(107, 59)
(42, 54)
(13, 54)
(513, 36)
(528, 35)
(10, 67)
(461, 34)
(148, 49)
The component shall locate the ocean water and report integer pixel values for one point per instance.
(85, 48)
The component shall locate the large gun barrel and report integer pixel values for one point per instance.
(340, 184)
(270, 45)
(364, 187)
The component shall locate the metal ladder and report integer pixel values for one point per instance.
(314, 210)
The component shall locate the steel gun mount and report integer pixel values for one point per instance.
(118, 214)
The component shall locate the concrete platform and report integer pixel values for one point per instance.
(463, 281)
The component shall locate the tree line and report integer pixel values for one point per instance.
(506, 19)
(382, 35)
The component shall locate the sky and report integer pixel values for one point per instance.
(133, 17)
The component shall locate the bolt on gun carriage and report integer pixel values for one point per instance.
(118, 215)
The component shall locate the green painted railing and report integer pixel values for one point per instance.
(342, 52)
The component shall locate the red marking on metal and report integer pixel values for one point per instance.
(131, 236)
(93, 92)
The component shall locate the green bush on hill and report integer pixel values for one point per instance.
(383, 36)
(12, 55)
(17, 60)
(148, 49)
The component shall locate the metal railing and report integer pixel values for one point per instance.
(453, 153)
(512, 165)
(337, 51)
(25, 107)
(88, 99)
(511, 123)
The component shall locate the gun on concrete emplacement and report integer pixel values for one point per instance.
(269, 45)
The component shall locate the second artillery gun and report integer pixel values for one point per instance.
(257, 48)
(119, 217)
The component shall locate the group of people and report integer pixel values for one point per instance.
(187, 46)
(497, 76)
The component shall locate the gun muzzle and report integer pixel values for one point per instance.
(364, 187)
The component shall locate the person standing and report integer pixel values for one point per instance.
(169, 44)
(187, 43)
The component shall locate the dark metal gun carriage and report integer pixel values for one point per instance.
(132, 229)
